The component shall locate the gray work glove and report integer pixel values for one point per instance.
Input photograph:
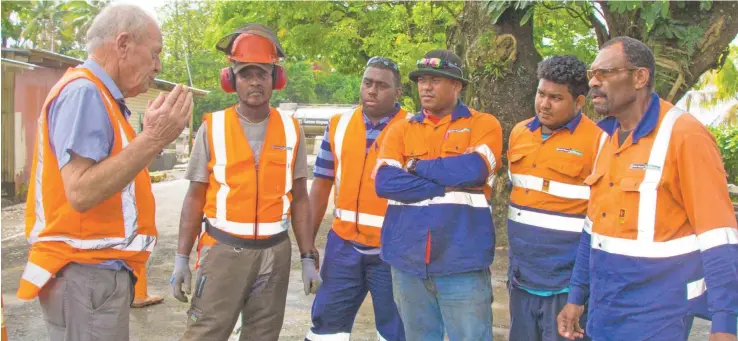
(310, 276)
(181, 275)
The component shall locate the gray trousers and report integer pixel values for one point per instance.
(233, 281)
(85, 303)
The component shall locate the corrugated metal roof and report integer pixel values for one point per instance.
(72, 62)
(19, 64)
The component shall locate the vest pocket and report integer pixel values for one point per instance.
(567, 167)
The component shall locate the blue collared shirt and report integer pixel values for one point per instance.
(571, 125)
(645, 126)
(78, 122)
(461, 110)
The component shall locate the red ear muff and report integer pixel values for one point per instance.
(226, 80)
(279, 77)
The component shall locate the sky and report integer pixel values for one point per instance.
(148, 5)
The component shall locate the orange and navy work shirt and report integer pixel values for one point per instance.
(438, 220)
(548, 201)
(660, 240)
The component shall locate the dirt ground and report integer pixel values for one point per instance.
(166, 321)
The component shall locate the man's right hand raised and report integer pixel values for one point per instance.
(167, 116)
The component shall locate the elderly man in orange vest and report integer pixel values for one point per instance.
(90, 209)
(248, 176)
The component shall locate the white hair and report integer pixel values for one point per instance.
(115, 19)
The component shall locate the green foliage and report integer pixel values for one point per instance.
(335, 87)
(344, 35)
(300, 85)
(727, 141)
(557, 33)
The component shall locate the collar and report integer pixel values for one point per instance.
(572, 125)
(460, 111)
(645, 126)
(98, 71)
(383, 119)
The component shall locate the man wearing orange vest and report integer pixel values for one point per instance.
(248, 176)
(436, 169)
(90, 209)
(660, 242)
(352, 266)
(549, 157)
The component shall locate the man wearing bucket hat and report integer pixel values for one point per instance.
(248, 178)
(437, 169)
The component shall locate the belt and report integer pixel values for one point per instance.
(228, 239)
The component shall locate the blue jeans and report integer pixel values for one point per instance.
(459, 303)
(533, 317)
(348, 276)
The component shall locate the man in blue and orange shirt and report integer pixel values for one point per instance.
(549, 157)
(438, 235)
(352, 267)
(660, 244)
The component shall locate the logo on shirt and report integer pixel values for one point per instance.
(644, 166)
(569, 151)
(281, 147)
(462, 130)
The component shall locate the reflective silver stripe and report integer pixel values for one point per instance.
(484, 151)
(364, 218)
(128, 198)
(645, 248)
(477, 200)
(328, 337)
(371, 252)
(219, 167)
(546, 221)
(389, 162)
(559, 189)
(338, 137)
(717, 237)
(36, 275)
(290, 136)
(139, 242)
(696, 289)
(247, 229)
(603, 138)
(648, 188)
(38, 194)
(587, 225)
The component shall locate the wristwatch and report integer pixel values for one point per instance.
(309, 254)
(411, 164)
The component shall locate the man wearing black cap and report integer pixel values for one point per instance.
(437, 169)
(248, 177)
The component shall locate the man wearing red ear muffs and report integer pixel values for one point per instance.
(248, 179)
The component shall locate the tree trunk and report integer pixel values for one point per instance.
(501, 62)
(677, 68)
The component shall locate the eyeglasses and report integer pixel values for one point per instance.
(384, 61)
(600, 74)
(436, 63)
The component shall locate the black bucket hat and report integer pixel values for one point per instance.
(443, 63)
(225, 44)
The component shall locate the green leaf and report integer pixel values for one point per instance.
(527, 15)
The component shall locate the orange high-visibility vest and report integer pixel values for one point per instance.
(240, 200)
(359, 212)
(120, 227)
(4, 335)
